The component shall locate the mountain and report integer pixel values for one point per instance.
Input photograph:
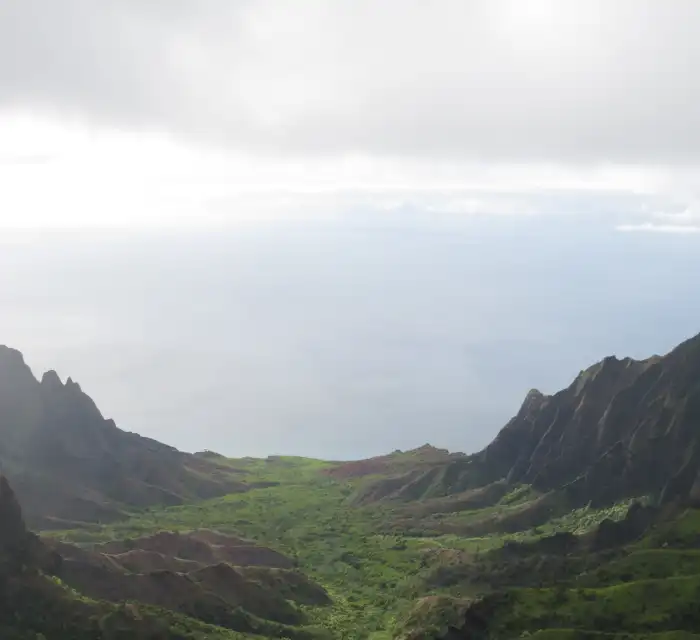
(218, 579)
(627, 569)
(34, 605)
(622, 429)
(638, 577)
(69, 464)
(580, 520)
(107, 600)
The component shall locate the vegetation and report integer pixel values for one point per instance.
(369, 575)
(642, 606)
(383, 584)
(540, 534)
(36, 607)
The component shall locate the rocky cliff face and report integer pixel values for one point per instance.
(623, 428)
(67, 462)
(15, 542)
(20, 550)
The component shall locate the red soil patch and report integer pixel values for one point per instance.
(204, 547)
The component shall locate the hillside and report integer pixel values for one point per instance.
(67, 463)
(637, 578)
(579, 520)
(61, 591)
(34, 604)
(622, 429)
(386, 582)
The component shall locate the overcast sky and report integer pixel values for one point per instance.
(220, 110)
(439, 161)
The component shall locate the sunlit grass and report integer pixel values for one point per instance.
(374, 573)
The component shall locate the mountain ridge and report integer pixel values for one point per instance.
(546, 515)
(632, 416)
(622, 429)
(68, 463)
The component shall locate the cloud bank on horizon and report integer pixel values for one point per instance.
(217, 110)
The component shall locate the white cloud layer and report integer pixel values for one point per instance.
(583, 80)
(122, 112)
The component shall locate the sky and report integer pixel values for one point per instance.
(344, 228)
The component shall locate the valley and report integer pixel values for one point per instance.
(580, 520)
(378, 576)
(349, 320)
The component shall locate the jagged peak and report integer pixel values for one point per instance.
(9, 354)
(12, 364)
(612, 364)
(534, 394)
(71, 384)
(533, 398)
(51, 379)
(15, 375)
(607, 365)
(615, 361)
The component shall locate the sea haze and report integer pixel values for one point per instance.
(340, 339)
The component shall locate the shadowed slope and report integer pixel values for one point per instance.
(623, 428)
(68, 463)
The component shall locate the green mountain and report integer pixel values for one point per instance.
(622, 429)
(52, 589)
(580, 520)
(68, 464)
(35, 605)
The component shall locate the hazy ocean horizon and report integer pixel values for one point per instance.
(339, 339)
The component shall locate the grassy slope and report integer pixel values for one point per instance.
(306, 516)
(374, 578)
(641, 606)
(650, 589)
(35, 607)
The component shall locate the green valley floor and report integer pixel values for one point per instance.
(388, 580)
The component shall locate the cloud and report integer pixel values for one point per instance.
(682, 219)
(503, 81)
(24, 159)
(106, 177)
(216, 111)
(659, 228)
